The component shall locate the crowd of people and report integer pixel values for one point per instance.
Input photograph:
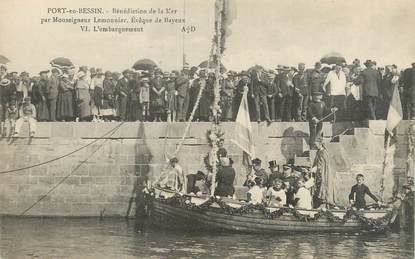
(358, 92)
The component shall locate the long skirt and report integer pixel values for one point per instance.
(83, 102)
(42, 111)
(65, 105)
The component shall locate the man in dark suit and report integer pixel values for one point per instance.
(370, 84)
(285, 94)
(258, 89)
(182, 87)
(408, 93)
(301, 93)
(122, 90)
(52, 93)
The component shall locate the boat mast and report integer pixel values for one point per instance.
(219, 8)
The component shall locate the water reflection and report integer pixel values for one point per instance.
(116, 238)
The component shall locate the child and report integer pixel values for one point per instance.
(303, 196)
(276, 194)
(256, 192)
(145, 98)
(357, 194)
(11, 117)
(27, 112)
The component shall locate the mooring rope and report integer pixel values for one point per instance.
(65, 155)
(72, 171)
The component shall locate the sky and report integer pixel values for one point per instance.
(266, 32)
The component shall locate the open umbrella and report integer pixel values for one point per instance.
(62, 63)
(144, 64)
(333, 58)
(204, 64)
(4, 60)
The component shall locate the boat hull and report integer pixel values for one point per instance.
(169, 216)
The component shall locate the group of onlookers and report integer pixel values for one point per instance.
(357, 92)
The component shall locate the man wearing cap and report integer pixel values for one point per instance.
(258, 89)
(182, 86)
(301, 92)
(258, 171)
(52, 90)
(370, 83)
(27, 112)
(39, 96)
(316, 111)
(157, 96)
(285, 93)
(335, 88)
(121, 92)
(409, 93)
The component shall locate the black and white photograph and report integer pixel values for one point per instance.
(207, 129)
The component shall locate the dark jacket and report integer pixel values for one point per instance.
(258, 85)
(52, 87)
(358, 193)
(370, 82)
(182, 86)
(300, 82)
(409, 82)
(225, 178)
(283, 87)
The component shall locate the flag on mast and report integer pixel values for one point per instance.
(393, 119)
(394, 112)
(243, 137)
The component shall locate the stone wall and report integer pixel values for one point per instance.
(104, 174)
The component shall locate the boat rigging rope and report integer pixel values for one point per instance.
(72, 171)
(112, 131)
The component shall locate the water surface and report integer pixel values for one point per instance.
(117, 238)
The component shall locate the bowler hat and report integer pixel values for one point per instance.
(43, 72)
(368, 62)
(256, 161)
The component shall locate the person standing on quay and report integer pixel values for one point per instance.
(182, 86)
(370, 84)
(122, 90)
(335, 88)
(52, 92)
(83, 97)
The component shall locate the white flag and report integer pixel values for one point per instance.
(394, 112)
(243, 132)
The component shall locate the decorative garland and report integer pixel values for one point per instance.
(185, 202)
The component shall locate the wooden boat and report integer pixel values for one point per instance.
(225, 215)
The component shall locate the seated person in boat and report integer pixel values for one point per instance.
(276, 196)
(358, 192)
(256, 191)
(257, 172)
(303, 196)
(222, 152)
(173, 178)
(224, 179)
(290, 184)
(196, 183)
(275, 172)
(308, 180)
